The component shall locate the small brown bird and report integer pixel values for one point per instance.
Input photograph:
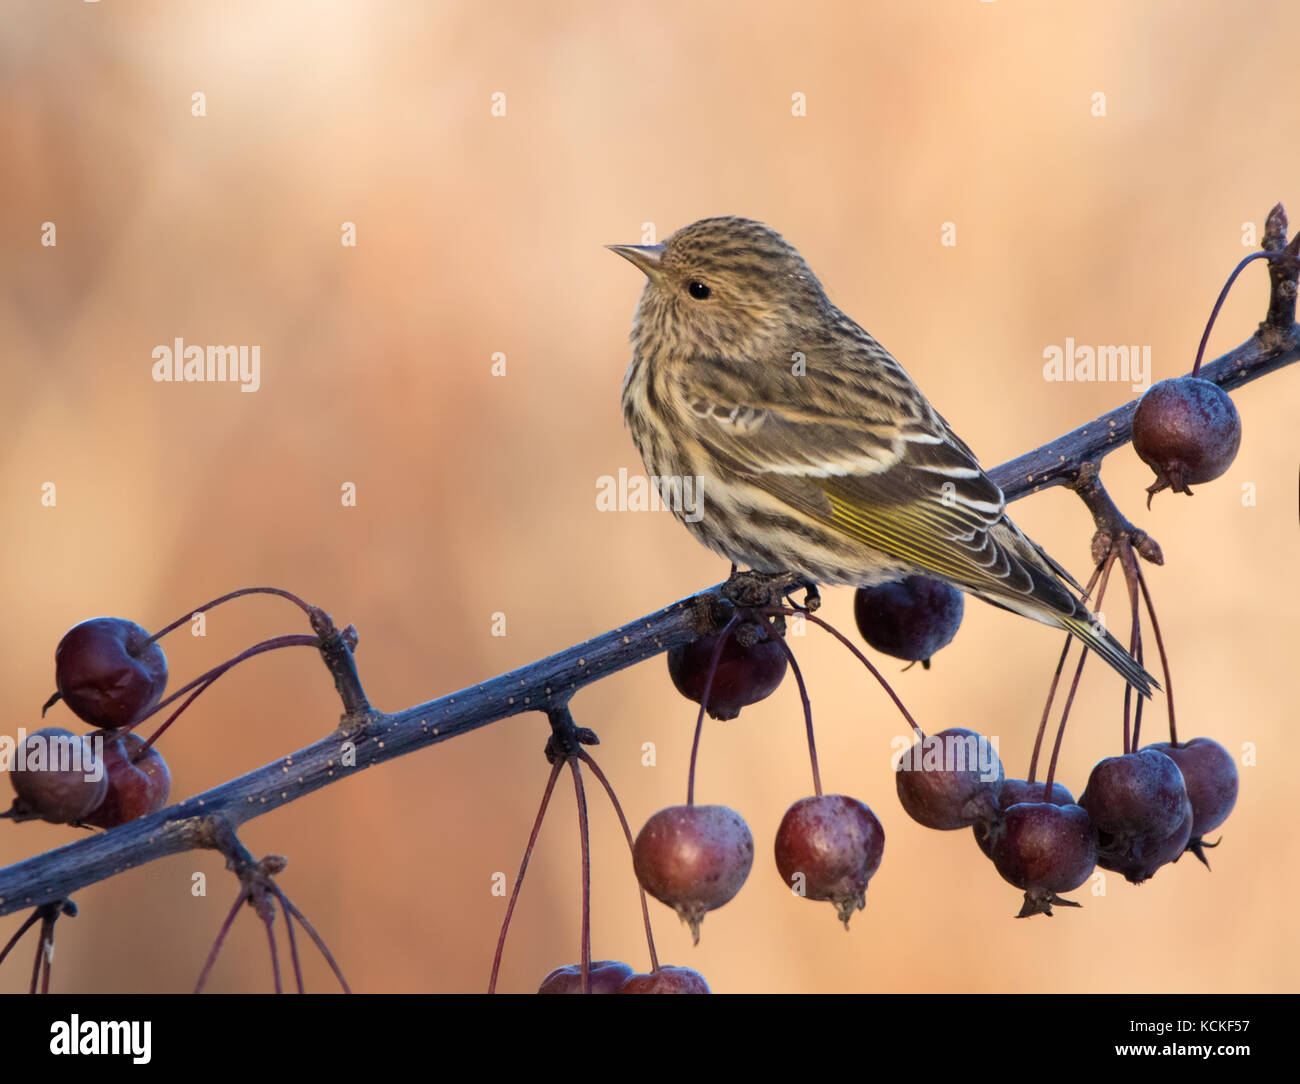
(809, 449)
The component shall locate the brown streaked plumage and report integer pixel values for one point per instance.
(816, 453)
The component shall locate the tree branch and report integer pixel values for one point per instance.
(1058, 461)
(1275, 344)
(367, 737)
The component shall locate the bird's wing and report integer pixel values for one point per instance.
(877, 464)
(822, 422)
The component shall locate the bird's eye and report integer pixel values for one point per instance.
(698, 291)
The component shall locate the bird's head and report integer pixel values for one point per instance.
(724, 285)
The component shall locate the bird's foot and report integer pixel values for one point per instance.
(812, 598)
(755, 590)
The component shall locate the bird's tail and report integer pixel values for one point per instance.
(1095, 636)
(1048, 600)
(1088, 629)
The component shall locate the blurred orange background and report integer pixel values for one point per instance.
(480, 234)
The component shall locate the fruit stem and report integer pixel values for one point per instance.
(723, 637)
(257, 888)
(293, 943)
(306, 607)
(1126, 741)
(1223, 294)
(1129, 563)
(523, 868)
(807, 714)
(296, 639)
(907, 715)
(1060, 728)
(1137, 714)
(1074, 686)
(45, 950)
(584, 839)
(627, 834)
(1056, 677)
(221, 937)
(267, 917)
(1047, 707)
(28, 922)
(143, 751)
(290, 909)
(1164, 659)
(46, 914)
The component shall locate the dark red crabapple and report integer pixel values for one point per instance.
(1139, 805)
(107, 672)
(694, 858)
(1137, 793)
(1045, 849)
(745, 675)
(135, 789)
(950, 779)
(1013, 792)
(909, 619)
(61, 780)
(828, 847)
(1210, 775)
(1143, 859)
(1187, 430)
(606, 977)
(667, 980)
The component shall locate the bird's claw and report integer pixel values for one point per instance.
(755, 590)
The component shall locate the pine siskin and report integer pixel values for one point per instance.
(811, 449)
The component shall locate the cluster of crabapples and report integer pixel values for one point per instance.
(110, 674)
(1137, 812)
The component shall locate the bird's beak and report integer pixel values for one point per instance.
(647, 257)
